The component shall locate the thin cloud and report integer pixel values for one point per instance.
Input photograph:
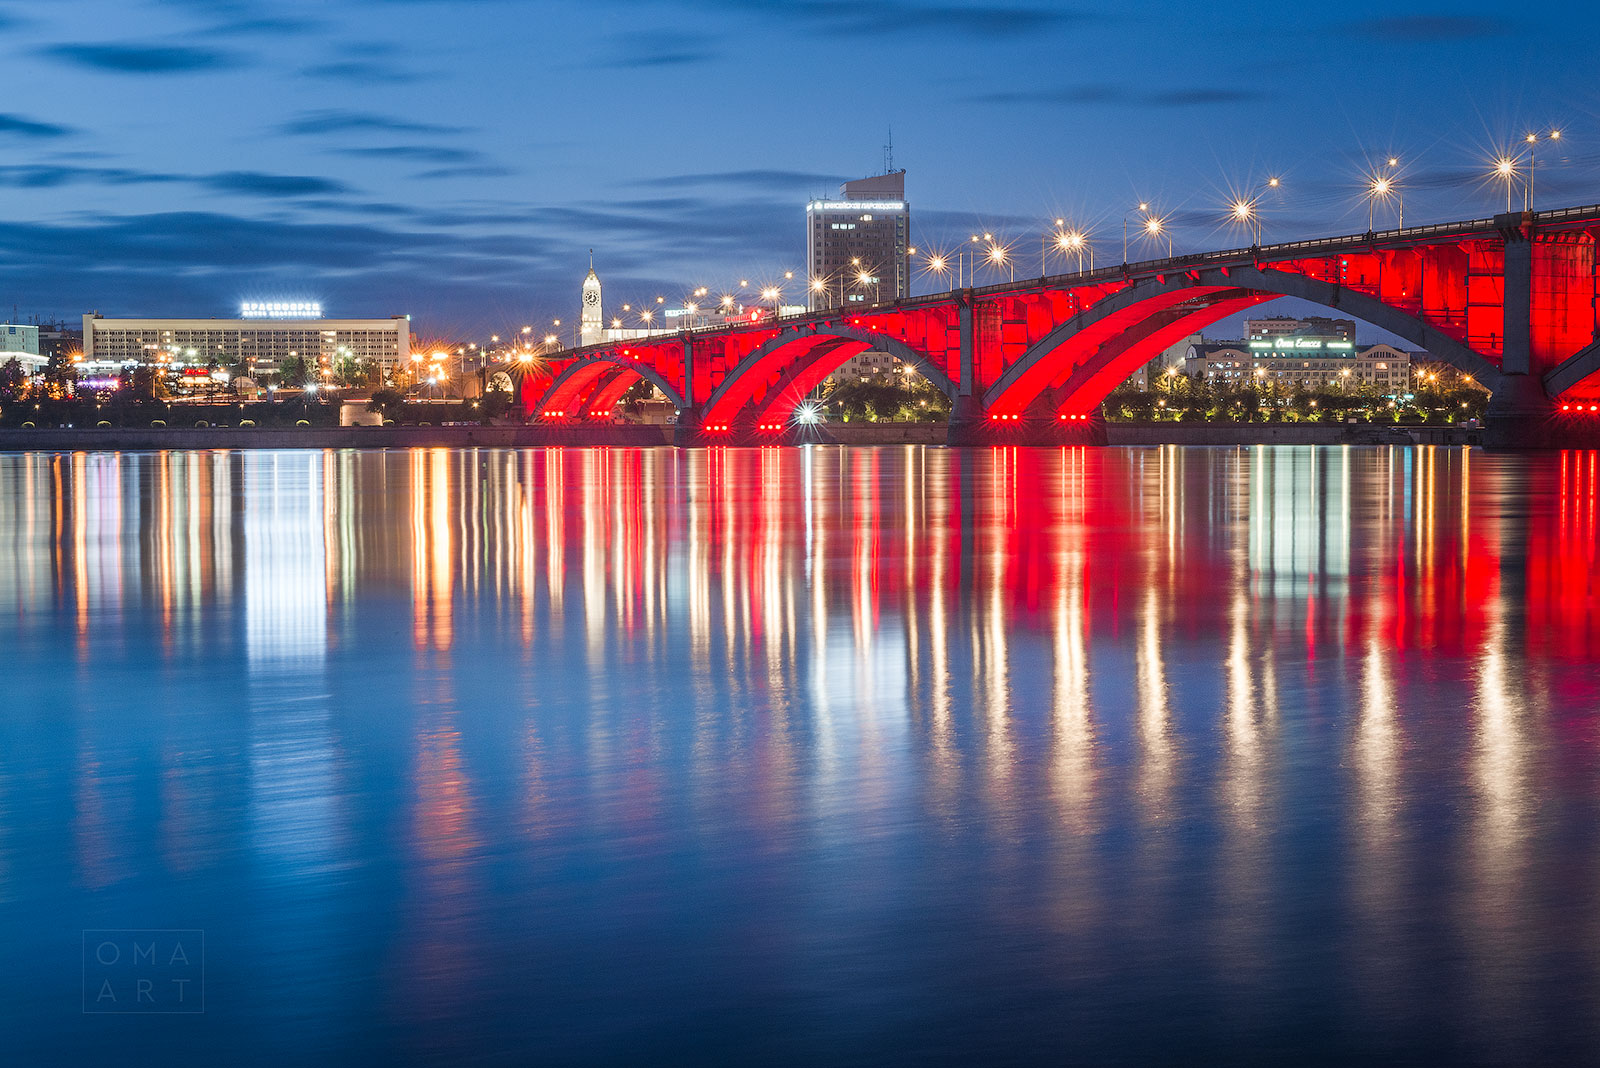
(416, 153)
(254, 183)
(486, 170)
(313, 123)
(241, 183)
(16, 124)
(640, 50)
(362, 71)
(51, 176)
(142, 59)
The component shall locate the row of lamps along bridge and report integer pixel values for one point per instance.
(986, 251)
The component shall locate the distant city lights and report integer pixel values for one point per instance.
(255, 309)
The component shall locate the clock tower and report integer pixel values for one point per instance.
(591, 329)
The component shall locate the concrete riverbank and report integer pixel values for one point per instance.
(404, 437)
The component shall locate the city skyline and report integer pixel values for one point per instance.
(387, 157)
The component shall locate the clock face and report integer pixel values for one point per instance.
(591, 298)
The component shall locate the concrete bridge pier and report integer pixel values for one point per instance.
(967, 422)
(1521, 416)
(686, 431)
(1521, 413)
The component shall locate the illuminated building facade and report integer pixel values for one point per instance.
(1312, 326)
(21, 343)
(1301, 362)
(261, 343)
(866, 232)
(858, 251)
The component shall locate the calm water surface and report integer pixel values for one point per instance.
(824, 755)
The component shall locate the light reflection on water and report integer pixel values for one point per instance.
(799, 755)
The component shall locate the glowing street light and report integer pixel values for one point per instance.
(818, 288)
(1067, 242)
(1532, 141)
(1143, 207)
(937, 263)
(1380, 187)
(1505, 168)
(1244, 213)
(1155, 228)
(999, 256)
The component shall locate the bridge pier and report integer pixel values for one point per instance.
(1521, 416)
(686, 431)
(966, 422)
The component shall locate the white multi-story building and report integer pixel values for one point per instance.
(1298, 362)
(262, 343)
(1277, 326)
(21, 343)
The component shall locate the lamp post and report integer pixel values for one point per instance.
(1380, 186)
(1072, 241)
(1155, 227)
(1383, 186)
(1143, 207)
(1505, 168)
(999, 256)
(1532, 141)
(1244, 212)
(1247, 210)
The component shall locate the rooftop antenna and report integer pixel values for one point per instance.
(888, 154)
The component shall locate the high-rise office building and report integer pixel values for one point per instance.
(858, 248)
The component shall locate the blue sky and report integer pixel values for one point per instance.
(456, 160)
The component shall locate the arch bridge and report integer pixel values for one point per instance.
(1510, 300)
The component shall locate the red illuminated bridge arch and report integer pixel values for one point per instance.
(1509, 300)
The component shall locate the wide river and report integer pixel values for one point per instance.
(823, 755)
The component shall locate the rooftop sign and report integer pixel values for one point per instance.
(255, 309)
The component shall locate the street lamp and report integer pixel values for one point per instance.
(1000, 256)
(1143, 207)
(1068, 242)
(1532, 141)
(1077, 242)
(1244, 213)
(972, 263)
(1154, 228)
(1505, 168)
(1247, 210)
(1044, 246)
(1379, 187)
(1382, 186)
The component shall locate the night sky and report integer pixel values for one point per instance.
(456, 160)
